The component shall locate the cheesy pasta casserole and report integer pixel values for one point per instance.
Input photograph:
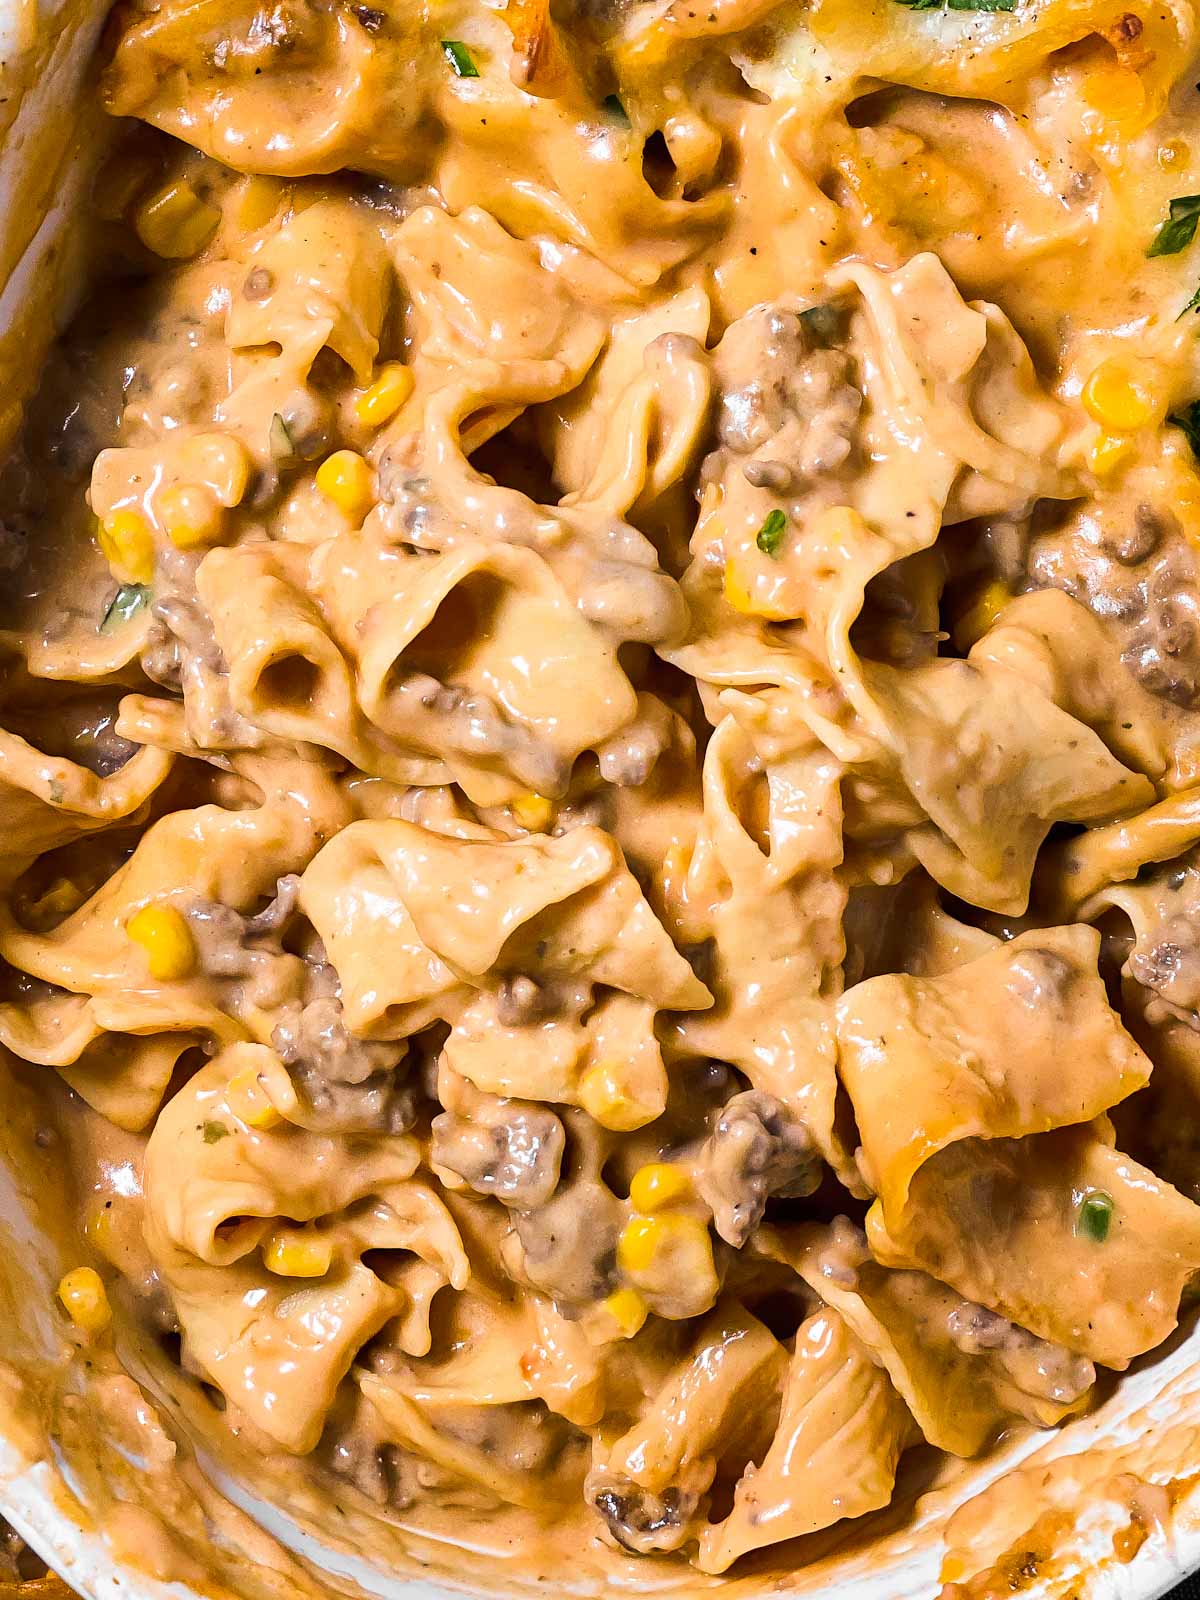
(600, 755)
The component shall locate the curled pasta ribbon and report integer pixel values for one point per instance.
(111, 1027)
(262, 1243)
(47, 801)
(1012, 1111)
(842, 1428)
(408, 952)
(960, 1398)
(775, 921)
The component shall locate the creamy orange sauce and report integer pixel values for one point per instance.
(598, 759)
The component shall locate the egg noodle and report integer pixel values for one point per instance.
(600, 772)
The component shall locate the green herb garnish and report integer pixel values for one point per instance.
(214, 1132)
(126, 603)
(1192, 305)
(959, 5)
(772, 533)
(1188, 420)
(280, 440)
(460, 58)
(1178, 231)
(1094, 1216)
(616, 109)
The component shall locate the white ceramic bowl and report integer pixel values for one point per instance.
(1107, 1508)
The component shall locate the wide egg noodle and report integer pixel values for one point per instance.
(46, 801)
(643, 669)
(113, 1030)
(266, 1343)
(963, 1081)
(1110, 1306)
(774, 919)
(560, 909)
(841, 1430)
(966, 1134)
(959, 1398)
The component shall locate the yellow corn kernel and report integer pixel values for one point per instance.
(347, 480)
(607, 1099)
(190, 515)
(533, 811)
(972, 623)
(247, 1097)
(127, 544)
(736, 592)
(298, 1255)
(1115, 92)
(1107, 454)
(85, 1299)
(259, 200)
(175, 222)
(380, 403)
(167, 940)
(220, 462)
(740, 598)
(1115, 398)
(659, 1184)
(627, 1309)
(638, 1244)
(654, 1251)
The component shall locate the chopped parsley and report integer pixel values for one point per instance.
(1188, 420)
(126, 603)
(460, 58)
(959, 5)
(616, 109)
(1178, 231)
(772, 533)
(1094, 1215)
(214, 1132)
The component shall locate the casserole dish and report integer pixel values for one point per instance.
(111, 1464)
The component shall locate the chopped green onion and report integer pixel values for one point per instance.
(1178, 231)
(126, 603)
(772, 533)
(214, 1132)
(460, 58)
(616, 109)
(280, 441)
(1188, 420)
(1095, 1214)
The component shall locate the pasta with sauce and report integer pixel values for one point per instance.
(600, 737)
